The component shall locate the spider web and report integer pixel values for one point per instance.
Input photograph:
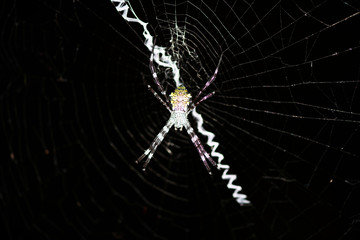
(76, 113)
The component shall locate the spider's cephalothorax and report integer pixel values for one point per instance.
(179, 106)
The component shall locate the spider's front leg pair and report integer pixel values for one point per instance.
(179, 105)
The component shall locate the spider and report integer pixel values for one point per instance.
(179, 105)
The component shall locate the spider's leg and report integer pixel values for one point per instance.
(212, 79)
(205, 152)
(154, 75)
(194, 105)
(200, 148)
(159, 98)
(153, 146)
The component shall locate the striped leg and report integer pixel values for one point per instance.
(153, 146)
(159, 98)
(200, 148)
(207, 84)
(194, 105)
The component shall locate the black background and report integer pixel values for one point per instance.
(75, 114)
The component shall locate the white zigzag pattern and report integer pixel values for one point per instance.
(240, 198)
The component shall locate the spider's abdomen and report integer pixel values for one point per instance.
(180, 99)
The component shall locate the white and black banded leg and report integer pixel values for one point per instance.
(200, 148)
(159, 98)
(207, 84)
(194, 105)
(153, 146)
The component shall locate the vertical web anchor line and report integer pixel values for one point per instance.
(162, 59)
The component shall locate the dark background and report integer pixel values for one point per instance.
(75, 114)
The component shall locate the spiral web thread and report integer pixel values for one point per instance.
(123, 7)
